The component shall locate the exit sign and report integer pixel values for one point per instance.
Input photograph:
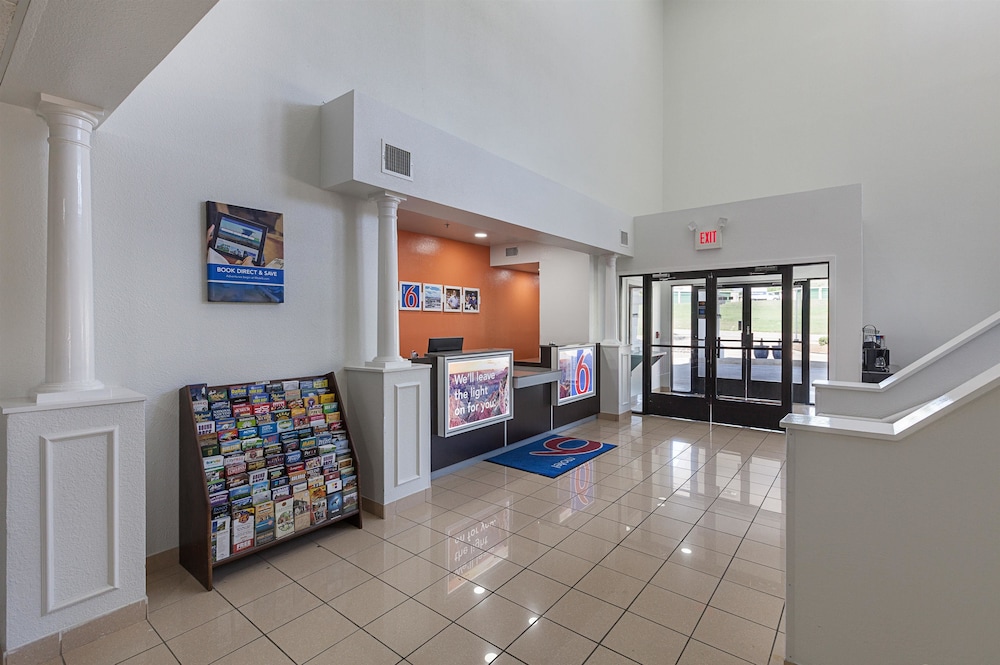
(708, 238)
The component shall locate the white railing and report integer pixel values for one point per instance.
(943, 369)
(892, 545)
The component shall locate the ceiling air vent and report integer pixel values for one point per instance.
(511, 251)
(624, 239)
(396, 161)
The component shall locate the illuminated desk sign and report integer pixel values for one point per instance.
(708, 238)
(578, 379)
(475, 391)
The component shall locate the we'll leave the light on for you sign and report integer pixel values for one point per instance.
(708, 238)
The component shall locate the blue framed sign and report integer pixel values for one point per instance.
(578, 378)
(409, 295)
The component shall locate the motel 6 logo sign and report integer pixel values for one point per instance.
(564, 445)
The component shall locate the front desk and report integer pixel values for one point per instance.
(482, 401)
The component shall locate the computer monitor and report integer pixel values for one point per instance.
(439, 344)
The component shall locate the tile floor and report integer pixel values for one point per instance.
(667, 550)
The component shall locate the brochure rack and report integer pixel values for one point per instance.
(198, 550)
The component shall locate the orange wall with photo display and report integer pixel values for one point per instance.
(508, 314)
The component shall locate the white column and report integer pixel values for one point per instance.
(615, 361)
(388, 283)
(610, 300)
(69, 310)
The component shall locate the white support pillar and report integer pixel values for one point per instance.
(388, 283)
(74, 452)
(615, 360)
(611, 299)
(69, 311)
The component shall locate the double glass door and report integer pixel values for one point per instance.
(718, 345)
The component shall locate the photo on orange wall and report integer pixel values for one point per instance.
(409, 295)
(433, 299)
(453, 298)
(470, 300)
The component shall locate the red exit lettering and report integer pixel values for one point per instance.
(706, 237)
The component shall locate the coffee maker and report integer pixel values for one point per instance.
(874, 355)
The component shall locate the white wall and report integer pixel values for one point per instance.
(232, 115)
(568, 291)
(773, 97)
(564, 296)
(455, 180)
(882, 565)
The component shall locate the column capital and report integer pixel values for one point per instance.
(50, 106)
(387, 197)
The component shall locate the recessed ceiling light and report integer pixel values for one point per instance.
(480, 235)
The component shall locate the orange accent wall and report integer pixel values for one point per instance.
(508, 311)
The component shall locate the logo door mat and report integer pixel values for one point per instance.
(552, 456)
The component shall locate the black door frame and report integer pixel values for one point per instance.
(800, 390)
(705, 404)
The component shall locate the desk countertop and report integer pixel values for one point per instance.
(533, 376)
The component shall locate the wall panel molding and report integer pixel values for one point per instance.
(76, 467)
(406, 439)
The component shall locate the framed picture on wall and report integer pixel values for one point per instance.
(452, 298)
(409, 295)
(470, 300)
(433, 297)
(245, 254)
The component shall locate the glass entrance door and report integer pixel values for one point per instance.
(718, 345)
(677, 349)
(753, 365)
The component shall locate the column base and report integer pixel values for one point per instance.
(75, 498)
(57, 393)
(615, 387)
(390, 415)
(389, 363)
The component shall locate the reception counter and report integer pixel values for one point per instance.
(483, 401)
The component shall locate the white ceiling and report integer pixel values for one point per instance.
(90, 51)
(8, 15)
(429, 225)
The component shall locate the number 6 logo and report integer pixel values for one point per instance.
(564, 445)
(583, 373)
(410, 296)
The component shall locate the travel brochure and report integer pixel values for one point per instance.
(277, 460)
